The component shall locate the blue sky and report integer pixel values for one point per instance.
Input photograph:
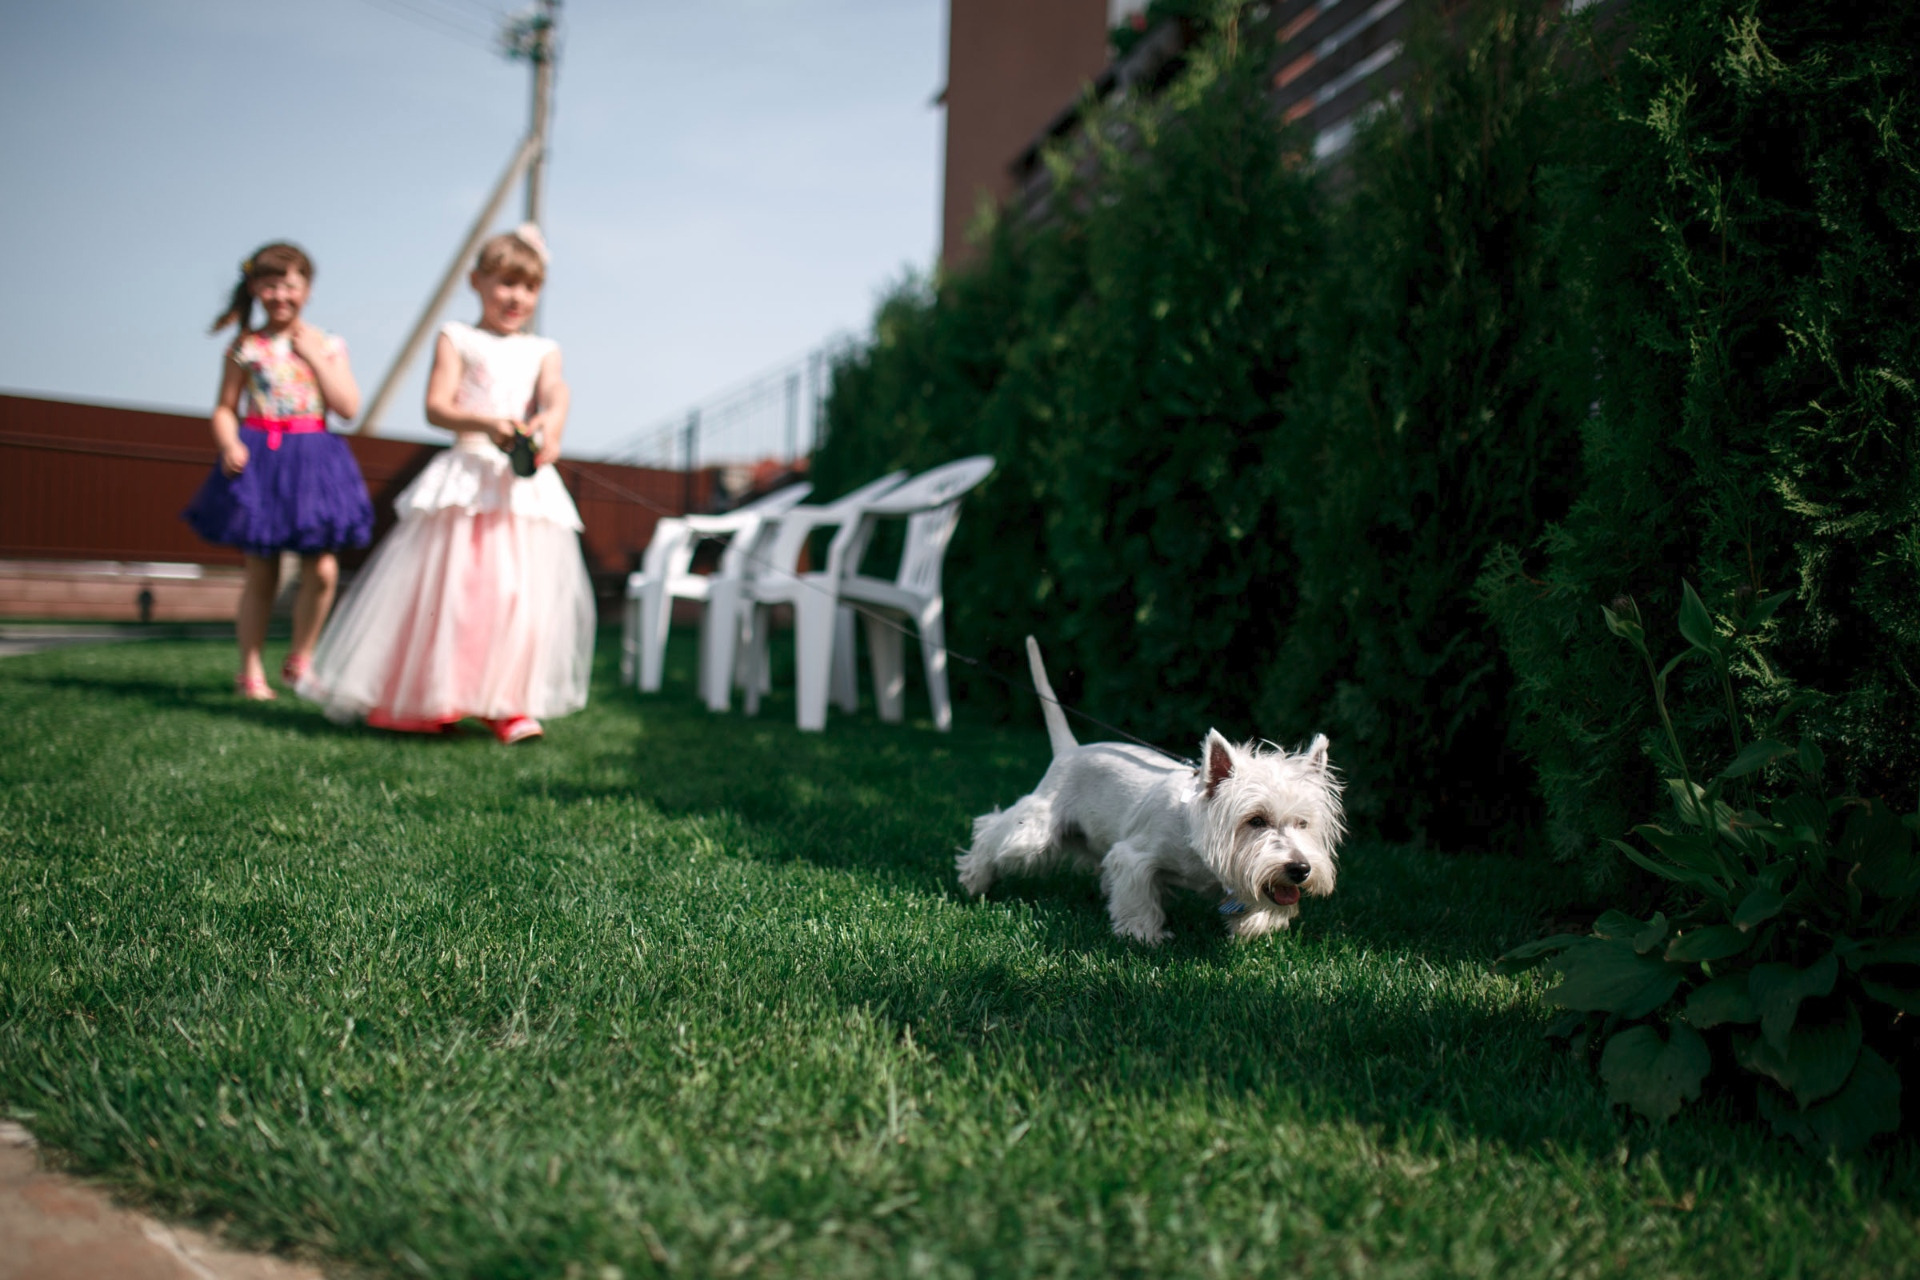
(731, 182)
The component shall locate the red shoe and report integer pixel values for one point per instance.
(378, 719)
(253, 688)
(295, 669)
(515, 729)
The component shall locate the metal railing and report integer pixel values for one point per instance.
(773, 414)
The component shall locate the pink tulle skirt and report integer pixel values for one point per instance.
(471, 608)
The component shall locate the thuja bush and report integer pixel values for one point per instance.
(1750, 209)
(1126, 360)
(1436, 415)
(1790, 961)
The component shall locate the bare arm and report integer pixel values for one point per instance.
(226, 417)
(554, 398)
(330, 369)
(443, 386)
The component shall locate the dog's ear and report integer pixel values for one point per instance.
(1317, 753)
(1218, 754)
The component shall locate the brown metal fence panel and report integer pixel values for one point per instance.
(100, 482)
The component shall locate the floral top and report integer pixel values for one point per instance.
(279, 383)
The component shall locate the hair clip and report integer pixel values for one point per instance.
(246, 266)
(528, 234)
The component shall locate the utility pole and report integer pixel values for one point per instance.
(793, 415)
(529, 36)
(690, 443)
(537, 42)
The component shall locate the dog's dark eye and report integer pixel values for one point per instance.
(1300, 824)
(1257, 822)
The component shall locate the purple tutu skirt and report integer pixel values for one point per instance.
(306, 496)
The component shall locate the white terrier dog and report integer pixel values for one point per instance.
(1255, 827)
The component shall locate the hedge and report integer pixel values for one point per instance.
(1364, 450)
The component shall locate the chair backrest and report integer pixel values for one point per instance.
(928, 533)
(779, 502)
(844, 511)
(670, 537)
(933, 488)
(931, 503)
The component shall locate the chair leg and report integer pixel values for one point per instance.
(720, 643)
(655, 612)
(889, 668)
(813, 627)
(630, 641)
(933, 650)
(753, 642)
(846, 680)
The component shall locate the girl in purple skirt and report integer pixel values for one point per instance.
(282, 483)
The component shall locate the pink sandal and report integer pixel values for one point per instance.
(253, 688)
(295, 668)
(515, 729)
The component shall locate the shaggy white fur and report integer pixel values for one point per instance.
(1254, 825)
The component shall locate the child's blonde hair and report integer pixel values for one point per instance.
(514, 256)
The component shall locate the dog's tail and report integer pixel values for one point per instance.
(1057, 731)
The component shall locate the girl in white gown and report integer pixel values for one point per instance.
(478, 603)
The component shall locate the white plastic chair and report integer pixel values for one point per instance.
(775, 580)
(930, 503)
(665, 576)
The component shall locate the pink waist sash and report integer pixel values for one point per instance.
(277, 427)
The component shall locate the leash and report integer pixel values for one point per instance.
(978, 664)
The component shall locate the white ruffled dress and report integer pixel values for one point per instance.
(478, 602)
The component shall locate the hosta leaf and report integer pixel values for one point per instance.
(1812, 758)
(1690, 849)
(1756, 756)
(1713, 942)
(1653, 935)
(1668, 871)
(1623, 624)
(1804, 818)
(1652, 1075)
(1895, 951)
(1902, 995)
(1617, 924)
(1758, 907)
(1723, 1000)
(1882, 846)
(1696, 624)
(1529, 954)
(1846, 1122)
(1816, 1060)
(1607, 974)
(1890, 973)
(1778, 989)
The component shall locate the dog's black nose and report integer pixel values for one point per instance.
(1297, 872)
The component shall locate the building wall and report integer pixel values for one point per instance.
(1012, 67)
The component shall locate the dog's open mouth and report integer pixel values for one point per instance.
(1283, 895)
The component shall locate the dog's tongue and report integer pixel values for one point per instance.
(1284, 896)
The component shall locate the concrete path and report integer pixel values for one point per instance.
(54, 1227)
(32, 637)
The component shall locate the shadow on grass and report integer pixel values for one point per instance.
(1373, 1013)
(286, 713)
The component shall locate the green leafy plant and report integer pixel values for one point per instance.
(1793, 951)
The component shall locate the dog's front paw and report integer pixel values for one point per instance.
(976, 873)
(1258, 924)
(1147, 935)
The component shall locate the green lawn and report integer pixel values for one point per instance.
(674, 992)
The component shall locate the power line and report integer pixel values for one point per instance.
(440, 21)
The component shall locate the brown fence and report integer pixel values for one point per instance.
(97, 482)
